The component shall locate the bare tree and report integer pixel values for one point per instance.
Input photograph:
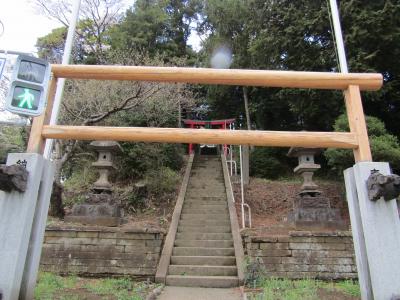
(96, 16)
(90, 102)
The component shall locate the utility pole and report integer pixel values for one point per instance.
(61, 81)
(338, 37)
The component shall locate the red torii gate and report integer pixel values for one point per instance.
(198, 124)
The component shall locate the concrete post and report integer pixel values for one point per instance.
(364, 278)
(376, 233)
(37, 233)
(16, 217)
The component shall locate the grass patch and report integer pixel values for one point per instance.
(349, 287)
(51, 286)
(121, 288)
(304, 289)
(289, 289)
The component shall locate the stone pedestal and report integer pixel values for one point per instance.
(100, 207)
(315, 211)
(310, 207)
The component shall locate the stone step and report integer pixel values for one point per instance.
(195, 219)
(204, 260)
(208, 189)
(200, 222)
(209, 174)
(203, 281)
(203, 236)
(206, 201)
(208, 160)
(205, 221)
(204, 243)
(205, 198)
(201, 186)
(198, 204)
(197, 270)
(214, 173)
(219, 206)
(213, 169)
(201, 251)
(207, 180)
(206, 229)
(186, 216)
(204, 193)
(195, 210)
(204, 186)
(198, 178)
(207, 164)
(201, 205)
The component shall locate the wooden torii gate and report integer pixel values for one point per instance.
(375, 225)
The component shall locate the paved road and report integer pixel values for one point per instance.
(192, 293)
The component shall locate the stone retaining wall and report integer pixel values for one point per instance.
(304, 254)
(102, 251)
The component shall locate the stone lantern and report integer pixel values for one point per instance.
(306, 168)
(310, 207)
(100, 207)
(104, 163)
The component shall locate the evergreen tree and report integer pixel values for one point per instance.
(157, 27)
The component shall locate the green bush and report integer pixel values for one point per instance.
(12, 139)
(254, 271)
(81, 179)
(78, 184)
(162, 181)
(384, 146)
(138, 158)
(267, 163)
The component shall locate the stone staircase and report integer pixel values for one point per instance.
(203, 253)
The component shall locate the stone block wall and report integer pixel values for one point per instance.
(304, 254)
(102, 251)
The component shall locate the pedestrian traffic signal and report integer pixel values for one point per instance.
(27, 94)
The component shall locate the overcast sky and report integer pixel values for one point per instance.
(22, 25)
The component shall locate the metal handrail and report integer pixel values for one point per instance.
(243, 203)
(232, 163)
(230, 182)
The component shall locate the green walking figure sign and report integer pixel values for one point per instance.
(26, 99)
(28, 90)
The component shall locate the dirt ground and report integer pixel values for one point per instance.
(271, 202)
(334, 295)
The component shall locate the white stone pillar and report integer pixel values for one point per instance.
(376, 233)
(16, 216)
